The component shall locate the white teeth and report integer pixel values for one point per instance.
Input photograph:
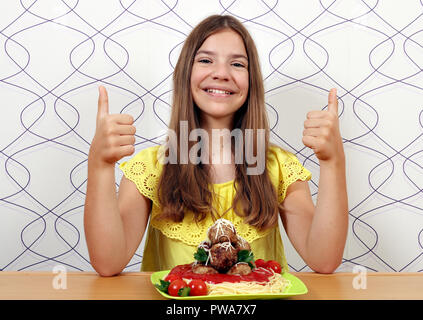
(217, 91)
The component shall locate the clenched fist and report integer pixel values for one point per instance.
(114, 136)
(321, 131)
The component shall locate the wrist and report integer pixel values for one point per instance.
(99, 164)
(337, 162)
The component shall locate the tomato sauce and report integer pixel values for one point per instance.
(185, 271)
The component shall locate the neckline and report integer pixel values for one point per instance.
(222, 184)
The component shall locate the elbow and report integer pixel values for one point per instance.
(104, 265)
(104, 270)
(326, 267)
(107, 273)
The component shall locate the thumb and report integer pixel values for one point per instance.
(103, 102)
(333, 101)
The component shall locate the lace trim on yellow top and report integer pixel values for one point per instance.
(144, 170)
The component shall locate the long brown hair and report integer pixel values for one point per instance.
(187, 186)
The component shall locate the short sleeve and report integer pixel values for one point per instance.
(144, 170)
(284, 168)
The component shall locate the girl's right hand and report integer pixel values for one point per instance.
(114, 135)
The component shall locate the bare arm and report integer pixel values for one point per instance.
(114, 224)
(319, 232)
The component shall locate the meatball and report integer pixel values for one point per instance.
(202, 269)
(241, 244)
(241, 268)
(223, 256)
(222, 231)
(206, 245)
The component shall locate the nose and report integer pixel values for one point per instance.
(220, 72)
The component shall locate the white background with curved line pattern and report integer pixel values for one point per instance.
(55, 53)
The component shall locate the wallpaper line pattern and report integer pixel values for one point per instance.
(54, 54)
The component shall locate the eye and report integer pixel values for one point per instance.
(238, 65)
(204, 60)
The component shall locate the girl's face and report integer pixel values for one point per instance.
(219, 78)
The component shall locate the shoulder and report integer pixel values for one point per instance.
(279, 161)
(277, 156)
(284, 168)
(144, 170)
(145, 159)
(149, 153)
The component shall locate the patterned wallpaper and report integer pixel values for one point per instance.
(55, 53)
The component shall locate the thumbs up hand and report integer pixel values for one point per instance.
(114, 136)
(321, 131)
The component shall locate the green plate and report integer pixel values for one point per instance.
(297, 288)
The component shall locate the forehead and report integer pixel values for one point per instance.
(224, 42)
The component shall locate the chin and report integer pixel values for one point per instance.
(219, 111)
(218, 115)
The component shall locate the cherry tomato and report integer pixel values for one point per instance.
(174, 287)
(274, 265)
(261, 263)
(171, 277)
(198, 288)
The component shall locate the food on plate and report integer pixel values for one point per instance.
(222, 256)
(222, 231)
(197, 288)
(222, 251)
(175, 286)
(274, 265)
(240, 268)
(224, 264)
(202, 269)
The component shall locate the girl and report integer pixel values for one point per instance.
(217, 85)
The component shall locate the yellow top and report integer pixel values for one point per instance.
(171, 243)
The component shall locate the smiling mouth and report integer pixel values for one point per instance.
(218, 92)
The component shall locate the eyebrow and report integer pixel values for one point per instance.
(212, 53)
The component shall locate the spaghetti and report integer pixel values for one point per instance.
(225, 264)
(259, 281)
(276, 284)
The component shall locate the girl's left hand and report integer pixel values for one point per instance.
(321, 131)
